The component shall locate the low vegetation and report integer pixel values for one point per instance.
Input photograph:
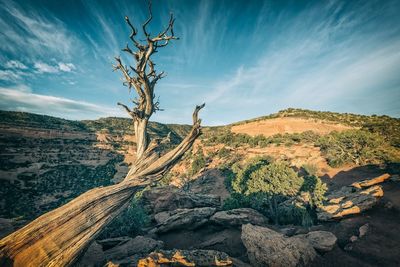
(274, 189)
(238, 139)
(356, 147)
(128, 223)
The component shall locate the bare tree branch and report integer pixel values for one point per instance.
(143, 76)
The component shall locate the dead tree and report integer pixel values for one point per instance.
(58, 237)
(143, 77)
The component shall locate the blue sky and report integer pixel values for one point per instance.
(243, 58)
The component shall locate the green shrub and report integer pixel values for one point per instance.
(236, 201)
(128, 223)
(294, 213)
(275, 190)
(276, 178)
(310, 169)
(316, 188)
(356, 146)
(198, 163)
(242, 173)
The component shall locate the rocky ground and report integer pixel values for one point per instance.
(189, 227)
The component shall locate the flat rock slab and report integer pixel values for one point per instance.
(182, 218)
(169, 198)
(348, 200)
(237, 217)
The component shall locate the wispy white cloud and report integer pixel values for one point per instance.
(8, 75)
(66, 67)
(27, 32)
(203, 32)
(21, 98)
(15, 64)
(42, 67)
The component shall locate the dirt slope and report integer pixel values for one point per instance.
(274, 126)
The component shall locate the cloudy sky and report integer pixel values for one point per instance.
(243, 58)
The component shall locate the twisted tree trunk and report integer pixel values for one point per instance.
(58, 237)
(142, 139)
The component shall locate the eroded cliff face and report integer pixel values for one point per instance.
(46, 161)
(40, 169)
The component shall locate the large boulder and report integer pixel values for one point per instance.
(137, 245)
(170, 198)
(237, 217)
(348, 200)
(196, 257)
(322, 241)
(265, 247)
(182, 218)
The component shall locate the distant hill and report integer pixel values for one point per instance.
(387, 126)
(112, 125)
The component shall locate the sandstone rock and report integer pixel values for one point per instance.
(186, 258)
(266, 247)
(170, 198)
(363, 230)
(238, 217)
(322, 241)
(94, 256)
(348, 201)
(138, 245)
(370, 182)
(182, 218)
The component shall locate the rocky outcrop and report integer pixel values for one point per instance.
(371, 182)
(237, 217)
(321, 241)
(182, 218)
(170, 198)
(349, 200)
(186, 258)
(265, 247)
(137, 245)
